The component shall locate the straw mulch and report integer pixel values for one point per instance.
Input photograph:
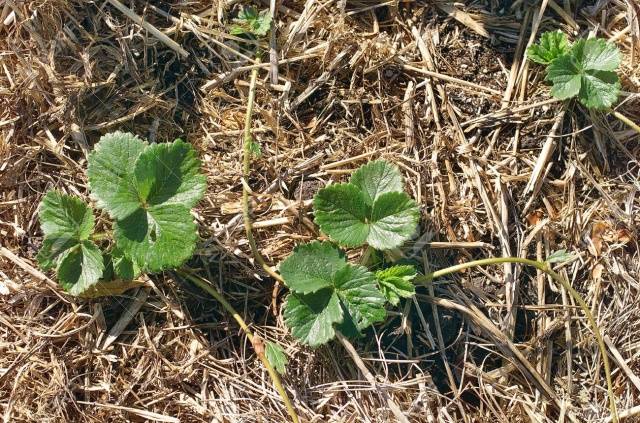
(498, 168)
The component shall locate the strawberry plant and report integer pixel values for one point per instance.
(251, 22)
(585, 70)
(148, 191)
(328, 294)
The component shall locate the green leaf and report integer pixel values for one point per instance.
(341, 212)
(149, 190)
(169, 174)
(276, 356)
(368, 209)
(249, 21)
(396, 282)
(66, 221)
(311, 317)
(123, 266)
(377, 178)
(597, 54)
(559, 256)
(311, 267)
(587, 72)
(110, 173)
(357, 289)
(157, 238)
(393, 220)
(62, 214)
(80, 268)
(551, 46)
(327, 291)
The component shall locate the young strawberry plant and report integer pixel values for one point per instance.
(148, 191)
(328, 294)
(585, 70)
(332, 298)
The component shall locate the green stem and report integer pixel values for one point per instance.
(257, 344)
(626, 120)
(100, 236)
(544, 267)
(246, 170)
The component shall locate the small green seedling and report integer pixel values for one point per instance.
(586, 69)
(328, 294)
(148, 191)
(251, 22)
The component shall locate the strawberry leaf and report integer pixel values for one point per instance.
(395, 282)
(67, 223)
(110, 173)
(329, 292)
(551, 46)
(377, 178)
(370, 209)
(276, 356)
(250, 21)
(80, 268)
(149, 191)
(588, 72)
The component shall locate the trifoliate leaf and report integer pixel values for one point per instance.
(377, 178)
(276, 356)
(329, 292)
(587, 72)
(559, 256)
(158, 237)
(343, 212)
(551, 46)
(311, 317)
(396, 282)
(150, 191)
(80, 268)
(357, 289)
(169, 174)
(110, 173)
(312, 267)
(66, 221)
(250, 21)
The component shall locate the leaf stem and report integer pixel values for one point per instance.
(544, 267)
(246, 170)
(255, 341)
(626, 120)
